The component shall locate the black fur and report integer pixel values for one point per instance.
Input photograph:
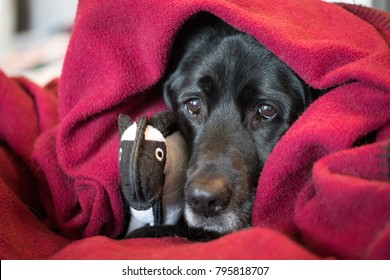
(234, 100)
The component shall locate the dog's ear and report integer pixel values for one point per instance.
(309, 94)
(171, 88)
(168, 94)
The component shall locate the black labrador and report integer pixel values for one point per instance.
(234, 99)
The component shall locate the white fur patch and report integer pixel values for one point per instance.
(145, 216)
(225, 223)
(151, 134)
(140, 219)
(129, 134)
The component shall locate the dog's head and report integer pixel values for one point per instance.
(234, 100)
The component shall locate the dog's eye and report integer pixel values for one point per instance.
(266, 111)
(193, 106)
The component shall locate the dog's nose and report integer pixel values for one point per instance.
(208, 197)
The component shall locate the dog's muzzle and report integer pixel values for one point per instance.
(208, 195)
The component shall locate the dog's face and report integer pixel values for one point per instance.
(234, 100)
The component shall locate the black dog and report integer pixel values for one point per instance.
(234, 100)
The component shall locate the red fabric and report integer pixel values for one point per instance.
(324, 191)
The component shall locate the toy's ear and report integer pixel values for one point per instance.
(163, 122)
(124, 122)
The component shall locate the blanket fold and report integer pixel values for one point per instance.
(323, 193)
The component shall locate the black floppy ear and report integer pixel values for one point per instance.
(163, 122)
(171, 89)
(124, 122)
(168, 93)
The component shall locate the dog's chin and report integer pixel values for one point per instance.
(222, 223)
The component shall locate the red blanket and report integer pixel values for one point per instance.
(324, 192)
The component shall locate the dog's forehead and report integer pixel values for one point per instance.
(237, 68)
(235, 64)
(228, 79)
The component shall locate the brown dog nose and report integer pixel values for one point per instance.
(208, 197)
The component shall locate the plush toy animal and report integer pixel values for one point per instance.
(152, 162)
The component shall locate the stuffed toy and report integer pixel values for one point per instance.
(152, 162)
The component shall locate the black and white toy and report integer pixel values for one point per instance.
(152, 162)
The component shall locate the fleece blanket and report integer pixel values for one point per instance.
(324, 192)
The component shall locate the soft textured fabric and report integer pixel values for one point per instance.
(324, 192)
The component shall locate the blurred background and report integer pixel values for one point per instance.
(34, 35)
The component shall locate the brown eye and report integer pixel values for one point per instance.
(193, 106)
(266, 111)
